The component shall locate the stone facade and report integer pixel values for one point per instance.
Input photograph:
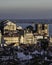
(12, 34)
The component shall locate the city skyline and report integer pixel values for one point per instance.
(26, 22)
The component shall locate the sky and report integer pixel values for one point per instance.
(26, 9)
(23, 9)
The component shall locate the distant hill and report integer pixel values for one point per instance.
(48, 21)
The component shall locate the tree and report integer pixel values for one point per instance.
(29, 27)
(2, 24)
(44, 43)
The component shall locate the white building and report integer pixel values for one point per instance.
(11, 34)
(28, 37)
(10, 26)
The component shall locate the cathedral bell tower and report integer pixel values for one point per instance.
(43, 29)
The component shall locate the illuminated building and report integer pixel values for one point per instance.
(11, 33)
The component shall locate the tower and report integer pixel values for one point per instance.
(43, 29)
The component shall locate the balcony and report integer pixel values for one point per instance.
(11, 35)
